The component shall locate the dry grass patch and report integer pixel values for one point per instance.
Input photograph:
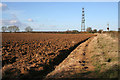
(104, 56)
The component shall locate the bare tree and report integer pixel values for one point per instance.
(28, 29)
(4, 28)
(13, 28)
(10, 29)
(89, 29)
(17, 29)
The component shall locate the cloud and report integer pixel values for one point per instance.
(12, 18)
(3, 7)
(12, 22)
(52, 25)
(30, 20)
(8, 22)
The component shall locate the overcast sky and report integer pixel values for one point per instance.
(59, 16)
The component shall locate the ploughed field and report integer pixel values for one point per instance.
(33, 53)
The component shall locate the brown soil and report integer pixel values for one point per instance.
(34, 55)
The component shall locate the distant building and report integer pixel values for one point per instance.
(108, 27)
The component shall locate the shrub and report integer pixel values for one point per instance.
(94, 31)
(100, 31)
(89, 29)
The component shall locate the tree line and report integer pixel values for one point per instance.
(89, 29)
(15, 29)
(29, 29)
